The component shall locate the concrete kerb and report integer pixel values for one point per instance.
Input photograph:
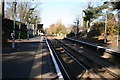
(98, 47)
(54, 61)
(112, 69)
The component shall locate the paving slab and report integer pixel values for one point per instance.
(30, 60)
(43, 67)
(17, 63)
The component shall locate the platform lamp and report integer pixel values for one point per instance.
(31, 9)
(13, 34)
(36, 25)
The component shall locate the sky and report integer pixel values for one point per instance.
(65, 11)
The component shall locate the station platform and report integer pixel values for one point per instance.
(31, 60)
(43, 66)
(98, 44)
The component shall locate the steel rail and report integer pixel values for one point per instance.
(52, 49)
(108, 71)
(75, 59)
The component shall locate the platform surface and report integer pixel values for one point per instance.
(31, 60)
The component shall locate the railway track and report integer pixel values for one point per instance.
(72, 68)
(77, 66)
(95, 62)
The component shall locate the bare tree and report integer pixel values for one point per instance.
(57, 28)
(23, 11)
(9, 10)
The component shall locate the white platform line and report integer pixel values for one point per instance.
(54, 61)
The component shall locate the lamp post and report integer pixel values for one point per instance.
(19, 32)
(75, 29)
(27, 23)
(13, 35)
(105, 33)
(36, 25)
